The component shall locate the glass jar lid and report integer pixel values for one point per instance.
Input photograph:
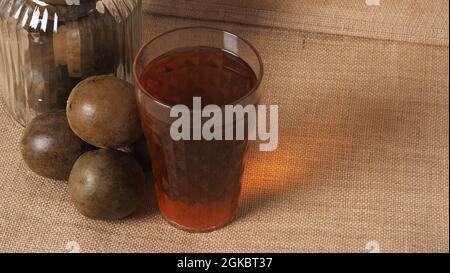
(46, 15)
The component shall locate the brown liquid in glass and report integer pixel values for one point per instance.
(197, 182)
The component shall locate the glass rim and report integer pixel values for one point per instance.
(166, 105)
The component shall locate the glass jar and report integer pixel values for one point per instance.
(48, 46)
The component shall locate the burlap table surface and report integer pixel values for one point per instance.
(362, 161)
(401, 20)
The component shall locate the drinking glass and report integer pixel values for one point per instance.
(198, 182)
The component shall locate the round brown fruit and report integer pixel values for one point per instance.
(49, 147)
(102, 111)
(106, 184)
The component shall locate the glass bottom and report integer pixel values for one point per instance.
(198, 230)
(197, 217)
(11, 115)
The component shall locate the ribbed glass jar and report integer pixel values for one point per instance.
(48, 46)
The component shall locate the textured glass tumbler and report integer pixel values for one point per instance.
(198, 182)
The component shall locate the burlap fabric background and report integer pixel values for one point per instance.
(363, 153)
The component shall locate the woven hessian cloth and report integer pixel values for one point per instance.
(362, 159)
(402, 20)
